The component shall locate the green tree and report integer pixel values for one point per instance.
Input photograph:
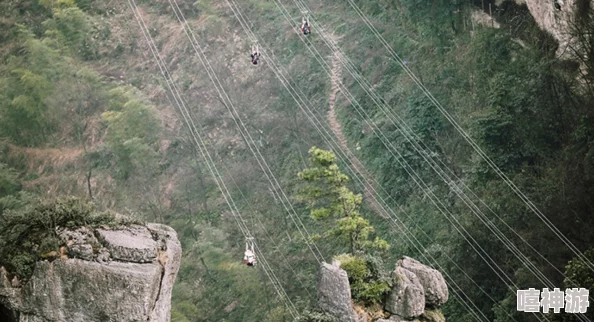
(26, 83)
(71, 28)
(131, 134)
(327, 196)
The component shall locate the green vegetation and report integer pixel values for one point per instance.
(34, 229)
(84, 111)
(313, 316)
(328, 196)
(434, 315)
(130, 134)
(369, 284)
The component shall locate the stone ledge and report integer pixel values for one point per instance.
(132, 244)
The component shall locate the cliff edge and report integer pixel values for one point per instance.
(101, 274)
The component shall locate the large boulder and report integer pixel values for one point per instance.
(334, 293)
(135, 285)
(434, 285)
(407, 298)
(132, 244)
(77, 291)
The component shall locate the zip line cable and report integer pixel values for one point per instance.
(414, 141)
(241, 121)
(463, 236)
(282, 81)
(189, 122)
(245, 134)
(474, 145)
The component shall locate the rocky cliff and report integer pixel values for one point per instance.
(417, 293)
(557, 17)
(123, 274)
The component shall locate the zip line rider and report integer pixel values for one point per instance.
(250, 255)
(255, 55)
(305, 26)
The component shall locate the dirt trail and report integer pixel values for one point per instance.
(342, 141)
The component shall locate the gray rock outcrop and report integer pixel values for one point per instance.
(79, 242)
(434, 285)
(334, 293)
(170, 258)
(133, 244)
(394, 318)
(407, 298)
(4, 281)
(556, 17)
(121, 275)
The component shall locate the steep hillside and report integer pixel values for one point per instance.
(86, 109)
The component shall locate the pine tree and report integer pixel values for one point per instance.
(328, 197)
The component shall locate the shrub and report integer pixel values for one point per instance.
(30, 232)
(314, 316)
(369, 293)
(369, 284)
(355, 267)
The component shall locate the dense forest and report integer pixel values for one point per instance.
(480, 164)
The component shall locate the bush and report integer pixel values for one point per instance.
(369, 284)
(577, 272)
(315, 316)
(369, 293)
(355, 267)
(28, 233)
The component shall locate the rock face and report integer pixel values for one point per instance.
(394, 318)
(134, 244)
(555, 16)
(407, 298)
(435, 287)
(115, 275)
(334, 293)
(170, 258)
(416, 295)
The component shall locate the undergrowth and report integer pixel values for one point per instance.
(369, 284)
(29, 234)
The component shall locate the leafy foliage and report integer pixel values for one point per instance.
(9, 183)
(529, 110)
(313, 316)
(28, 233)
(131, 133)
(369, 285)
(327, 196)
(578, 274)
(38, 72)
